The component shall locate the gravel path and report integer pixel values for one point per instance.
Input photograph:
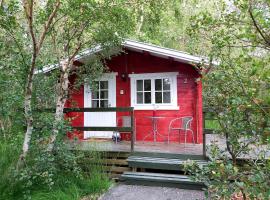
(132, 192)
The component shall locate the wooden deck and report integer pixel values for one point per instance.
(161, 147)
(108, 145)
(124, 146)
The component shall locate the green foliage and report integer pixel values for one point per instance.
(46, 175)
(212, 124)
(224, 179)
(172, 25)
(236, 92)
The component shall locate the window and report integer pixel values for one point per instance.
(154, 90)
(100, 95)
(162, 90)
(144, 91)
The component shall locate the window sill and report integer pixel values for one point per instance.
(157, 108)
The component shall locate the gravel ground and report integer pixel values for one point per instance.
(132, 192)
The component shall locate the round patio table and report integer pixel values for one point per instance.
(154, 130)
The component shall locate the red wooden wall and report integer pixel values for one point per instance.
(189, 90)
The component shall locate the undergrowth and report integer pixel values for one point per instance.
(56, 176)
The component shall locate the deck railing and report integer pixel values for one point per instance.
(110, 109)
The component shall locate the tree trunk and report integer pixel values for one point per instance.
(2, 127)
(230, 149)
(28, 112)
(140, 23)
(61, 98)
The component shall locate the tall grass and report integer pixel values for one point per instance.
(8, 158)
(67, 186)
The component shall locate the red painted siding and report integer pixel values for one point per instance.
(189, 93)
(75, 100)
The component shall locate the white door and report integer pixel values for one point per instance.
(103, 96)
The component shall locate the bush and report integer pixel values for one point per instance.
(47, 175)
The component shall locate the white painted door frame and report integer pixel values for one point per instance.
(100, 119)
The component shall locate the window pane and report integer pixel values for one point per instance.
(147, 97)
(103, 103)
(139, 85)
(166, 84)
(158, 84)
(139, 97)
(95, 95)
(158, 97)
(166, 97)
(95, 85)
(104, 94)
(147, 85)
(95, 104)
(103, 85)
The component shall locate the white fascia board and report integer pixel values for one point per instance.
(46, 69)
(163, 51)
(88, 52)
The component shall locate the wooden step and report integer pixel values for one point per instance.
(160, 179)
(159, 162)
(169, 155)
(113, 164)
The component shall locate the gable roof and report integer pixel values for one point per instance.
(138, 47)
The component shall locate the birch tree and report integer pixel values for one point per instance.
(37, 39)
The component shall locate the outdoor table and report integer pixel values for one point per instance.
(154, 130)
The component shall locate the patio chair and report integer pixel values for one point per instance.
(181, 124)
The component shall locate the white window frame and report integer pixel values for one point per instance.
(172, 76)
(111, 77)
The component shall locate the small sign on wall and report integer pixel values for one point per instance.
(122, 92)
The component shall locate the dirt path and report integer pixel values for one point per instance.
(131, 192)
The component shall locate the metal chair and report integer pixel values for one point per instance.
(181, 124)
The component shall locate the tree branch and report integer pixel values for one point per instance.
(265, 37)
(47, 25)
(29, 15)
(75, 52)
(2, 3)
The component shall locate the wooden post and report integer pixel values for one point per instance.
(204, 140)
(203, 119)
(204, 145)
(132, 131)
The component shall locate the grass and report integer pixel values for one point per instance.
(93, 185)
(212, 124)
(67, 186)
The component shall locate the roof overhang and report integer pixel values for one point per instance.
(136, 46)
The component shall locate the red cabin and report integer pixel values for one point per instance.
(157, 82)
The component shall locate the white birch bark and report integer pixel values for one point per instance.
(28, 111)
(61, 98)
(140, 23)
